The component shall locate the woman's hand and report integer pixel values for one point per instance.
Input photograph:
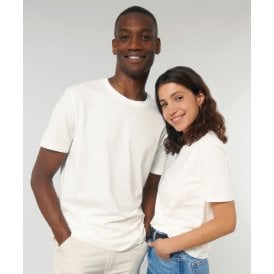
(161, 248)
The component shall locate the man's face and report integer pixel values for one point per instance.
(135, 44)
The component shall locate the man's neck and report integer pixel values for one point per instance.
(133, 89)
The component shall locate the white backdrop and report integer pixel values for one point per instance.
(67, 42)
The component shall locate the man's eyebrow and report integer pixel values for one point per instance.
(141, 30)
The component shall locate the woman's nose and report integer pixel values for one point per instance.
(171, 109)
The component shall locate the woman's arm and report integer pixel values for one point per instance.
(223, 222)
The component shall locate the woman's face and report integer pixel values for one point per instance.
(179, 105)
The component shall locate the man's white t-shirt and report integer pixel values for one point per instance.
(199, 175)
(113, 143)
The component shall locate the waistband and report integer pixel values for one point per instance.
(155, 234)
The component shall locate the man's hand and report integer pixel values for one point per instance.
(148, 229)
(46, 165)
(61, 238)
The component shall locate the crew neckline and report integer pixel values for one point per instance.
(117, 95)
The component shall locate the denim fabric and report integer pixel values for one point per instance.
(179, 263)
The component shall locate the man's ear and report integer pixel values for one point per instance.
(114, 46)
(158, 46)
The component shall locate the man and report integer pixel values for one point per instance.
(105, 135)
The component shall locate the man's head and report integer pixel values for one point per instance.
(137, 9)
(135, 42)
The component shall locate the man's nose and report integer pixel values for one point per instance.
(135, 43)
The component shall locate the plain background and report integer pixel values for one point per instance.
(67, 42)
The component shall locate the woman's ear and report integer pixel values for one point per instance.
(200, 99)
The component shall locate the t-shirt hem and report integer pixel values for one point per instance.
(219, 200)
(197, 255)
(106, 245)
(157, 172)
(53, 147)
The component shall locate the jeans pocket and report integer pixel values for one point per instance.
(199, 266)
(159, 257)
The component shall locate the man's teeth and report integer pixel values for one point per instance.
(134, 57)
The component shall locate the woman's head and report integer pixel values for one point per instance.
(188, 108)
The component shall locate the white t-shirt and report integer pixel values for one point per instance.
(199, 175)
(112, 144)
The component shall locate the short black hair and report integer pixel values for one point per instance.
(137, 9)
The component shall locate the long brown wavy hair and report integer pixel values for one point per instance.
(208, 119)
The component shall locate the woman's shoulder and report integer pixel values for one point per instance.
(210, 139)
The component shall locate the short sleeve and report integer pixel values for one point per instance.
(159, 162)
(59, 133)
(216, 172)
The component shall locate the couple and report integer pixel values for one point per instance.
(111, 144)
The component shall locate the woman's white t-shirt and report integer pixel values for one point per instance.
(199, 175)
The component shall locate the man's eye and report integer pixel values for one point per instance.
(146, 37)
(123, 37)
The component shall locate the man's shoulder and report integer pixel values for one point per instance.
(87, 86)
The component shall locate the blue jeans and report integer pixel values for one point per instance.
(179, 263)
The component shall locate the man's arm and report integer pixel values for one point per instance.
(47, 164)
(149, 199)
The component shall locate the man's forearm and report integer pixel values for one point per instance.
(148, 205)
(49, 205)
(149, 199)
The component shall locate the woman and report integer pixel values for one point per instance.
(195, 201)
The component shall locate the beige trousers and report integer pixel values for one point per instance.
(77, 257)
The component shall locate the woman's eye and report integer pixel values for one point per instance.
(179, 98)
(163, 105)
